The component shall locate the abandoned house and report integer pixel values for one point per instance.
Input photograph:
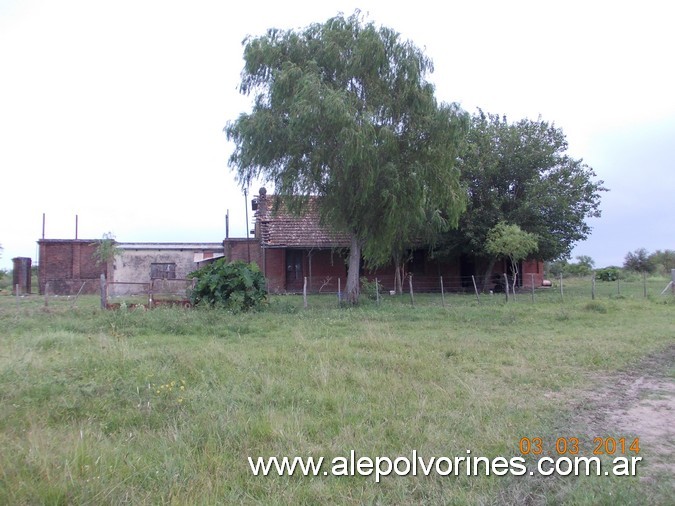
(294, 247)
(288, 248)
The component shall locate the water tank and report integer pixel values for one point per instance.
(22, 275)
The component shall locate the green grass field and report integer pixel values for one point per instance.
(165, 406)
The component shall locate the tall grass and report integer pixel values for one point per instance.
(165, 406)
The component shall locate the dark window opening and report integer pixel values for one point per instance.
(294, 265)
(417, 262)
(162, 271)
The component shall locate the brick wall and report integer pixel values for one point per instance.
(241, 249)
(68, 265)
(533, 270)
(274, 268)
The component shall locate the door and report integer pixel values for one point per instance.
(294, 274)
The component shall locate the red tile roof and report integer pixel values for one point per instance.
(279, 228)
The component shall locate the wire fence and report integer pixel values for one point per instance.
(427, 290)
(153, 293)
(417, 291)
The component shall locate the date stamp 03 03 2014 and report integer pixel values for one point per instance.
(574, 446)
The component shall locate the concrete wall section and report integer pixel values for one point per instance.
(70, 266)
(133, 269)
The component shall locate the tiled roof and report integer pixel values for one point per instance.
(282, 229)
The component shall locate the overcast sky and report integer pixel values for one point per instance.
(114, 110)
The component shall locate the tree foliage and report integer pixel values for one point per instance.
(342, 110)
(663, 261)
(106, 249)
(510, 241)
(520, 173)
(236, 286)
(582, 267)
(611, 273)
(639, 261)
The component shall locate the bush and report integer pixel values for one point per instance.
(370, 288)
(5, 279)
(608, 274)
(236, 286)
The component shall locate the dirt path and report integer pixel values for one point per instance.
(640, 402)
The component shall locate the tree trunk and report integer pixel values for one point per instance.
(514, 268)
(488, 275)
(353, 288)
(398, 275)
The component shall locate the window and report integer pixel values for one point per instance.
(162, 271)
(417, 262)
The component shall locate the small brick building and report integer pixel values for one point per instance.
(70, 266)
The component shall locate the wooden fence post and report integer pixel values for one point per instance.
(46, 293)
(412, 297)
(304, 293)
(377, 291)
(16, 291)
(104, 298)
(506, 278)
(442, 293)
(78, 294)
(339, 292)
(475, 287)
(532, 277)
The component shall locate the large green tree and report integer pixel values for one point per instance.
(342, 110)
(520, 173)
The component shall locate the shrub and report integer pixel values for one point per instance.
(236, 286)
(608, 274)
(369, 288)
(5, 279)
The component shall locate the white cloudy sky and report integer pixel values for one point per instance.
(114, 110)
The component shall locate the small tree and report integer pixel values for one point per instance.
(510, 241)
(106, 249)
(638, 261)
(663, 261)
(557, 267)
(583, 266)
(236, 286)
